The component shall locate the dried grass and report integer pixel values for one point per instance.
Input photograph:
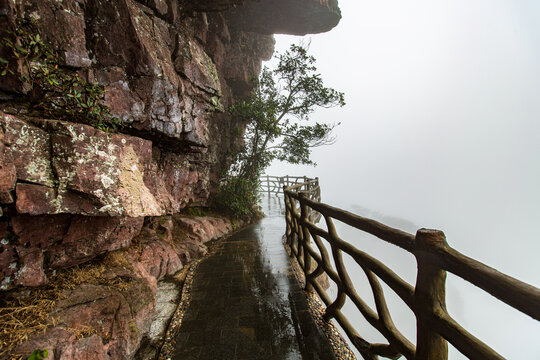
(121, 257)
(21, 319)
(26, 313)
(83, 332)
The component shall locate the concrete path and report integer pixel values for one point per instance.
(246, 303)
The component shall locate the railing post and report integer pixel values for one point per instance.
(430, 296)
(288, 229)
(318, 194)
(304, 215)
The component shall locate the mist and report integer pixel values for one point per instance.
(441, 130)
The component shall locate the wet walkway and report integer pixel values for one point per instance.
(246, 303)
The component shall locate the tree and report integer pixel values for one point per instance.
(277, 118)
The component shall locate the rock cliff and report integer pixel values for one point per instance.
(71, 193)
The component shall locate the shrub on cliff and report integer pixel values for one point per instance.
(277, 123)
(50, 89)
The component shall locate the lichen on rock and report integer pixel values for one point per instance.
(73, 196)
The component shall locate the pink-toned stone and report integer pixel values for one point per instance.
(169, 76)
(8, 173)
(88, 237)
(40, 200)
(104, 174)
(157, 260)
(160, 259)
(71, 45)
(63, 344)
(6, 197)
(31, 271)
(138, 43)
(192, 61)
(40, 232)
(90, 348)
(28, 147)
(36, 199)
(123, 316)
(120, 319)
(109, 168)
(67, 240)
(8, 176)
(205, 228)
(54, 339)
(10, 82)
(8, 257)
(180, 181)
(243, 45)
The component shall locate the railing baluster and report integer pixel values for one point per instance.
(427, 299)
(304, 218)
(430, 296)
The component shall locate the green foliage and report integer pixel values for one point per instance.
(276, 114)
(54, 90)
(277, 117)
(195, 211)
(38, 355)
(238, 196)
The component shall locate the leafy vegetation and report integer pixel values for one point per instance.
(277, 117)
(238, 195)
(52, 89)
(195, 211)
(38, 355)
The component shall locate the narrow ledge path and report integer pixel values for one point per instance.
(246, 303)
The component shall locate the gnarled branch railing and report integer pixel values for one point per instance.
(426, 299)
(275, 184)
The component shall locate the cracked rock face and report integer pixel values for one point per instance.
(116, 319)
(170, 70)
(71, 193)
(77, 169)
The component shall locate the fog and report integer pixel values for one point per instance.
(441, 130)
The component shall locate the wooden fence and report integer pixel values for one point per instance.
(426, 299)
(274, 184)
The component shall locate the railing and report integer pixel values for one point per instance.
(302, 184)
(274, 184)
(426, 299)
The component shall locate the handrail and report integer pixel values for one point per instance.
(426, 299)
(274, 184)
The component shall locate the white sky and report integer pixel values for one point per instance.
(441, 128)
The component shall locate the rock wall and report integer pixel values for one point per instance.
(71, 193)
(104, 309)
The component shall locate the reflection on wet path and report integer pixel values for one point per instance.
(246, 303)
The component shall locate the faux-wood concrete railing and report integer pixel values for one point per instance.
(275, 184)
(426, 299)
